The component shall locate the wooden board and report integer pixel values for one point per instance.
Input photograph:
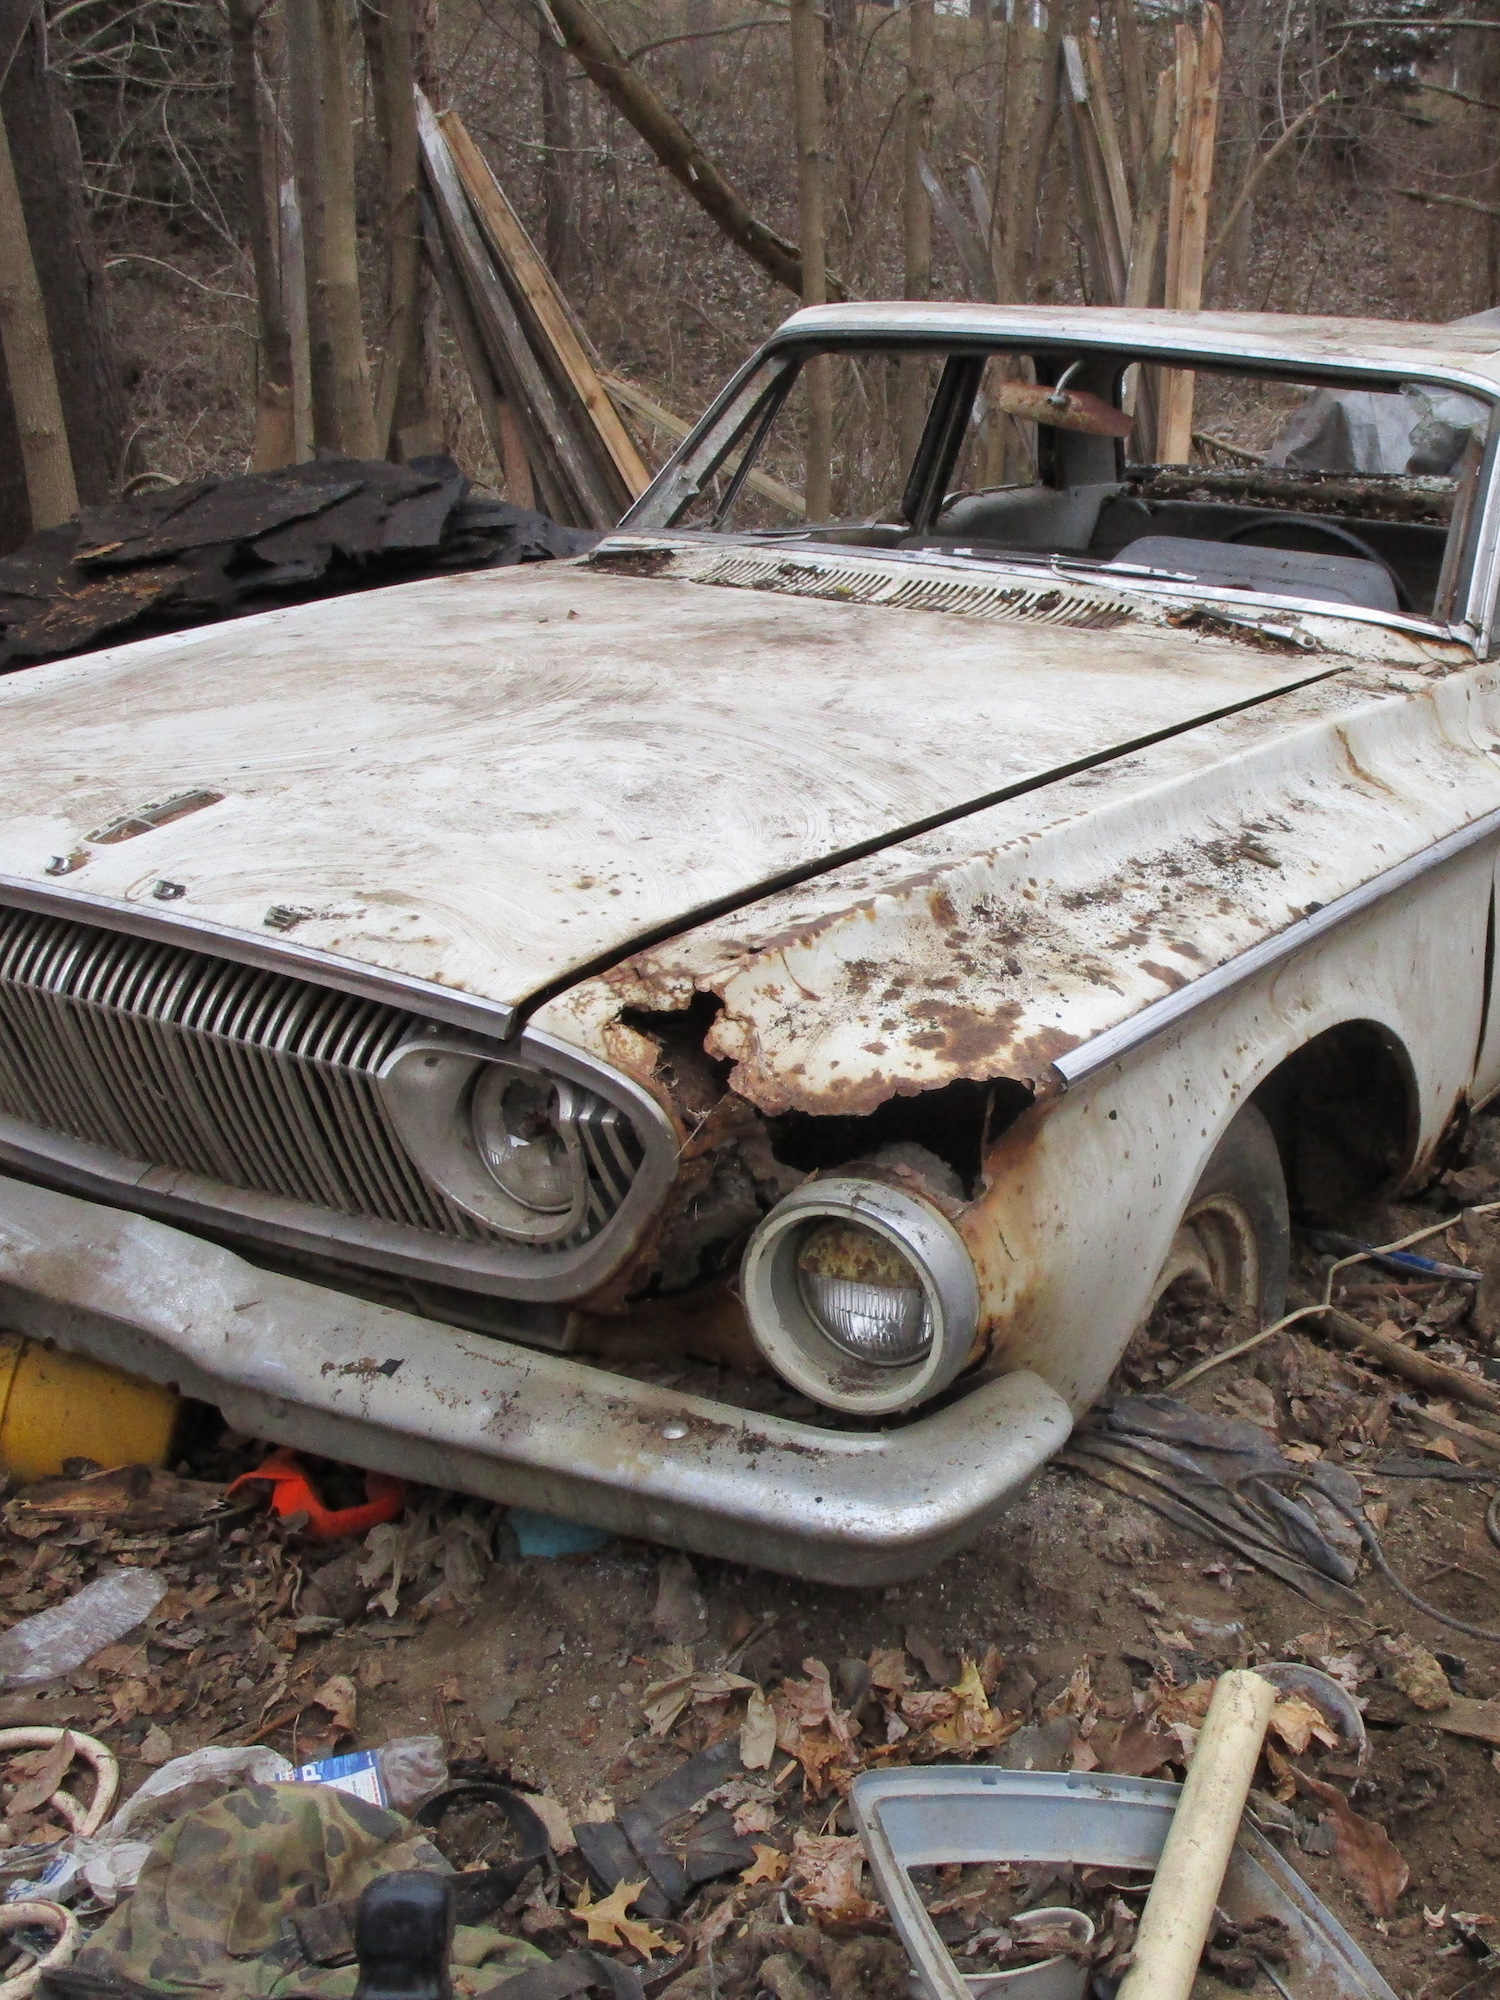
(553, 326)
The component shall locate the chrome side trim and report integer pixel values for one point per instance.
(380, 1388)
(1101, 1050)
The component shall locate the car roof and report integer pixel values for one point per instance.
(1287, 340)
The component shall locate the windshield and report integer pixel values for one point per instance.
(1235, 481)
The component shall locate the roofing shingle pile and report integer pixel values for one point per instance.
(220, 548)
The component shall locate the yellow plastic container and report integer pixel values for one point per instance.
(55, 1406)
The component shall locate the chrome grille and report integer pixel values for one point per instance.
(252, 1078)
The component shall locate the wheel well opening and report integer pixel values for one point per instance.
(1344, 1112)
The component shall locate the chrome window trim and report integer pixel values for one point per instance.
(1476, 620)
(506, 1270)
(1099, 1051)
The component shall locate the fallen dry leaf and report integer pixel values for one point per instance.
(607, 1922)
(43, 1772)
(1297, 1723)
(1441, 1447)
(973, 1724)
(1140, 1748)
(1362, 1848)
(340, 1697)
(553, 1814)
(758, 1732)
(825, 1877)
(811, 1727)
(769, 1865)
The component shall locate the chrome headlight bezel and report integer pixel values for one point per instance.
(802, 1354)
(430, 1085)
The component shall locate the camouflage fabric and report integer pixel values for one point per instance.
(211, 1910)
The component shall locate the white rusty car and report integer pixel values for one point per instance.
(727, 1036)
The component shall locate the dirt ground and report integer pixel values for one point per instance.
(1075, 1617)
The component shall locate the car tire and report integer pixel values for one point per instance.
(1235, 1232)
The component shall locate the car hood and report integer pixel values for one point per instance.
(499, 780)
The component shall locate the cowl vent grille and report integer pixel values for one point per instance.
(872, 581)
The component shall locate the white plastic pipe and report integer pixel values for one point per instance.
(20, 1916)
(85, 1820)
(1180, 1909)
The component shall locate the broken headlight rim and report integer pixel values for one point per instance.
(800, 1347)
(491, 1133)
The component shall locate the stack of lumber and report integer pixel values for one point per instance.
(550, 420)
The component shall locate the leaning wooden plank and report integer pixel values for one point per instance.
(534, 282)
(1107, 135)
(1106, 251)
(973, 250)
(1192, 228)
(632, 398)
(1145, 253)
(553, 441)
(493, 410)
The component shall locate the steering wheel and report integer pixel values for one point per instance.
(1344, 537)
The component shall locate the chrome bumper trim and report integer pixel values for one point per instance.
(385, 1389)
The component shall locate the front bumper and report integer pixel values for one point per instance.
(376, 1387)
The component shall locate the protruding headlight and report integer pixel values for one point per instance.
(861, 1295)
(516, 1129)
(865, 1294)
(504, 1141)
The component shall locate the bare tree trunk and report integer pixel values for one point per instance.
(916, 211)
(809, 114)
(274, 443)
(294, 297)
(356, 416)
(309, 150)
(559, 177)
(675, 147)
(50, 492)
(49, 173)
(1488, 67)
(402, 421)
(323, 149)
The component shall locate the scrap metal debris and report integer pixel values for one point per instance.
(218, 548)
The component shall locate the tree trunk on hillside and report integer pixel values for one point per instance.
(51, 495)
(274, 439)
(403, 426)
(559, 175)
(916, 211)
(809, 120)
(49, 174)
(323, 149)
(675, 147)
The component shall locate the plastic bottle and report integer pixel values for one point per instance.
(412, 1766)
(55, 1641)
